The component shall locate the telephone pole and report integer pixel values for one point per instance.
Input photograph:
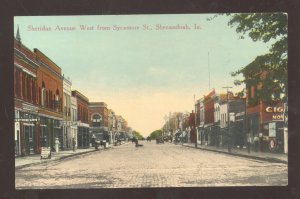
(228, 122)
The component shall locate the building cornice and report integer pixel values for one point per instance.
(25, 70)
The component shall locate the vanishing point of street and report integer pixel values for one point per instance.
(153, 165)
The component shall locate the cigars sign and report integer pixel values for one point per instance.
(277, 112)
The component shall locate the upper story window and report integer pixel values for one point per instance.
(96, 120)
(43, 94)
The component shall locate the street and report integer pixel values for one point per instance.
(153, 165)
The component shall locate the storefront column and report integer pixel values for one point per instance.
(285, 131)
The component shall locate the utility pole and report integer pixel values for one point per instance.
(228, 122)
(208, 73)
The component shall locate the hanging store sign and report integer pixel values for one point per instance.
(25, 120)
(272, 129)
(278, 112)
(275, 109)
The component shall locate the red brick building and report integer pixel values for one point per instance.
(98, 110)
(27, 140)
(50, 95)
(38, 98)
(98, 120)
(265, 120)
(83, 135)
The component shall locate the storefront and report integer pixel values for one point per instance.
(83, 136)
(215, 134)
(272, 128)
(26, 134)
(201, 134)
(50, 129)
(239, 134)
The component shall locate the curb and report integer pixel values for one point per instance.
(273, 160)
(60, 158)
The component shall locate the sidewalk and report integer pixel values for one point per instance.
(242, 152)
(26, 161)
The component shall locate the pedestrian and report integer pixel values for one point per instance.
(256, 139)
(74, 144)
(249, 143)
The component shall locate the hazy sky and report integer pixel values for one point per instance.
(142, 74)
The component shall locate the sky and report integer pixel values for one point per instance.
(142, 73)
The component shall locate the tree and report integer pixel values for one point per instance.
(265, 27)
(156, 134)
(137, 135)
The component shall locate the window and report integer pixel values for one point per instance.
(96, 120)
(43, 95)
(23, 86)
(33, 87)
(17, 83)
(28, 88)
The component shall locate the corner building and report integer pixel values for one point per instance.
(27, 139)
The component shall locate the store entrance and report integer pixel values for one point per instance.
(29, 139)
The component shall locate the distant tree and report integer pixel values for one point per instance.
(138, 135)
(156, 134)
(265, 27)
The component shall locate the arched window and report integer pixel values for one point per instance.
(96, 120)
(56, 100)
(43, 95)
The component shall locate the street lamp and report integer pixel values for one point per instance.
(228, 122)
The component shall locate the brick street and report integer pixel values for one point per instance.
(153, 165)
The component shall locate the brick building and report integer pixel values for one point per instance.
(50, 95)
(27, 138)
(265, 120)
(83, 134)
(38, 100)
(98, 121)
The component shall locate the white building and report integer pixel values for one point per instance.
(74, 120)
(66, 125)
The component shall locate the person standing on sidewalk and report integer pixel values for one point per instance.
(256, 140)
(74, 144)
(249, 142)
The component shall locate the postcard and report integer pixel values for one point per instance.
(143, 101)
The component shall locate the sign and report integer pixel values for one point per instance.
(46, 153)
(275, 109)
(272, 129)
(25, 120)
(240, 114)
(278, 117)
